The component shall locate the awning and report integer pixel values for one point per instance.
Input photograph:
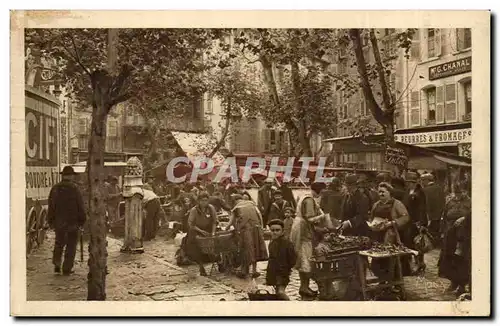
(451, 161)
(197, 145)
(81, 166)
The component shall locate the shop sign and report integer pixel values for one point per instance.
(451, 68)
(435, 137)
(396, 156)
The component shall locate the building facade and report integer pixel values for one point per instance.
(438, 113)
(432, 88)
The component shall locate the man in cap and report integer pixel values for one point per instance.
(355, 208)
(66, 215)
(277, 210)
(435, 201)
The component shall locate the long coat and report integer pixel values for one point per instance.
(435, 201)
(66, 210)
(331, 203)
(264, 201)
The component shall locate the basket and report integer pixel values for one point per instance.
(221, 242)
(263, 295)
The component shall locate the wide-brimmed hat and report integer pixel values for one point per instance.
(427, 176)
(411, 177)
(68, 170)
(351, 179)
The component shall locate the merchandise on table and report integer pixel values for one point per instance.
(384, 250)
(334, 244)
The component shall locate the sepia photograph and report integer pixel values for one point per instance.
(330, 164)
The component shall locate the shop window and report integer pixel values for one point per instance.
(451, 103)
(464, 38)
(431, 106)
(415, 109)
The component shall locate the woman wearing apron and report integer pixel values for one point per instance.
(394, 214)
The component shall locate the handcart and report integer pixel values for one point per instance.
(221, 247)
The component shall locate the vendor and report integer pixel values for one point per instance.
(153, 213)
(202, 221)
(309, 223)
(394, 217)
(248, 223)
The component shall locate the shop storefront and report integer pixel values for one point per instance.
(446, 138)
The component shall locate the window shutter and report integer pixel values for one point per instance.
(451, 103)
(437, 42)
(440, 104)
(267, 139)
(460, 38)
(415, 108)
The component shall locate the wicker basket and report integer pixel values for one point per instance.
(221, 242)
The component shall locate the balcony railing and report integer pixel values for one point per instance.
(186, 125)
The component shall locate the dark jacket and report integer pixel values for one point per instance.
(435, 200)
(66, 210)
(264, 200)
(331, 203)
(288, 195)
(355, 209)
(282, 258)
(277, 211)
(416, 205)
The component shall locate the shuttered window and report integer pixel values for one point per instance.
(415, 46)
(440, 104)
(451, 103)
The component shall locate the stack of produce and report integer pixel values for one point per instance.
(334, 244)
(380, 249)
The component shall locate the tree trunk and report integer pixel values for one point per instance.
(223, 137)
(302, 133)
(97, 213)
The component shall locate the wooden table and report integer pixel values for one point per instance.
(395, 277)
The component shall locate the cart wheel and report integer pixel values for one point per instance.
(43, 226)
(31, 232)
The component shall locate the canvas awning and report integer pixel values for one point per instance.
(196, 145)
(451, 161)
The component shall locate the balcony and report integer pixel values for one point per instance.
(187, 125)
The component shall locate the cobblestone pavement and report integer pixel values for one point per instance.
(154, 276)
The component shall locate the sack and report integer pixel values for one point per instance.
(423, 242)
(178, 238)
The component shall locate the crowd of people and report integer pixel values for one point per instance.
(411, 206)
(414, 205)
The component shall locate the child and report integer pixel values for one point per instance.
(288, 221)
(282, 258)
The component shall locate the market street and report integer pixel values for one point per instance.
(154, 276)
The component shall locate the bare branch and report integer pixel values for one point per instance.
(77, 56)
(248, 60)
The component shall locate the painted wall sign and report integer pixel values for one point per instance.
(435, 137)
(451, 68)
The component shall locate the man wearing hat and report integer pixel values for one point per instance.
(355, 208)
(278, 207)
(66, 215)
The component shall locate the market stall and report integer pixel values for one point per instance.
(347, 258)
